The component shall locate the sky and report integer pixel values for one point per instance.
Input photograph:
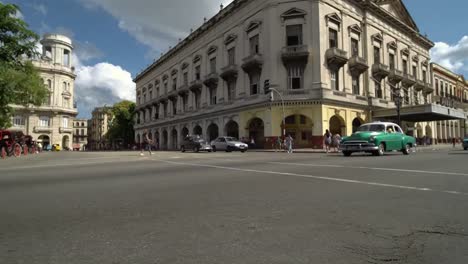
(116, 39)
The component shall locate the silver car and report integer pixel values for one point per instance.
(228, 144)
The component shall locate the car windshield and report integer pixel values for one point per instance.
(200, 140)
(231, 139)
(372, 128)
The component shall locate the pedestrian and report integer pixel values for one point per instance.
(252, 142)
(289, 143)
(327, 140)
(336, 142)
(148, 143)
(279, 144)
(453, 142)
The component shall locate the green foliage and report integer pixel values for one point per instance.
(121, 127)
(20, 83)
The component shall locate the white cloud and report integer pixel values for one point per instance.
(101, 84)
(453, 57)
(158, 24)
(40, 8)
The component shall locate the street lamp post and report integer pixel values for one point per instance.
(282, 103)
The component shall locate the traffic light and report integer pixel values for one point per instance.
(266, 86)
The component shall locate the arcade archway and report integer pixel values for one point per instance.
(256, 131)
(337, 125)
(232, 129)
(213, 132)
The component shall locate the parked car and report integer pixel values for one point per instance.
(56, 147)
(195, 143)
(228, 144)
(378, 138)
(465, 143)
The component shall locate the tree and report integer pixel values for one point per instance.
(20, 83)
(121, 127)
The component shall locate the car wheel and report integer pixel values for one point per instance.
(407, 149)
(196, 149)
(229, 149)
(243, 151)
(17, 150)
(465, 148)
(214, 148)
(381, 150)
(182, 149)
(3, 153)
(347, 153)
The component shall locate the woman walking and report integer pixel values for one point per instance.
(327, 140)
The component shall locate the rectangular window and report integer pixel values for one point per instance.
(295, 77)
(424, 77)
(376, 55)
(65, 122)
(332, 38)
(416, 98)
(197, 72)
(231, 90)
(165, 105)
(254, 45)
(165, 87)
(415, 71)
(185, 78)
(174, 107)
(354, 47)
(18, 121)
(197, 96)
(391, 60)
(174, 84)
(232, 56)
(378, 90)
(213, 92)
(405, 66)
(66, 58)
(254, 83)
(151, 95)
(185, 102)
(213, 65)
(44, 121)
(437, 87)
(406, 96)
(334, 80)
(291, 120)
(294, 35)
(66, 103)
(355, 83)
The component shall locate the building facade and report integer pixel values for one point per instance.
(332, 62)
(80, 134)
(451, 90)
(98, 127)
(52, 122)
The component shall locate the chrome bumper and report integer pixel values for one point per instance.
(358, 147)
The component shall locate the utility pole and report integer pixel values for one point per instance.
(269, 89)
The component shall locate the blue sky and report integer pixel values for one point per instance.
(115, 39)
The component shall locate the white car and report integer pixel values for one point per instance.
(228, 144)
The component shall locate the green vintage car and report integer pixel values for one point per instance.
(465, 143)
(378, 138)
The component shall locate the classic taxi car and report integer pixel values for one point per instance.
(228, 144)
(378, 138)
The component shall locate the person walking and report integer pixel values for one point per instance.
(279, 144)
(327, 140)
(336, 142)
(148, 144)
(289, 144)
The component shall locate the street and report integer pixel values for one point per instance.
(171, 207)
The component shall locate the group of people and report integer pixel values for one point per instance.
(287, 143)
(331, 142)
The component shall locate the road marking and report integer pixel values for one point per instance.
(370, 168)
(422, 189)
(65, 165)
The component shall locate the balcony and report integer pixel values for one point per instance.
(357, 65)
(419, 85)
(172, 94)
(295, 54)
(336, 58)
(380, 71)
(66, 130)
(183, 88)
(428, 89)
(395, 76)
(39, 129)
(252, 63)
(211, 80)
(408, 80)
(229, 72)
(195, 85)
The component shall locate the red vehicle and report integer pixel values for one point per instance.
(9, 145)
(29, 145)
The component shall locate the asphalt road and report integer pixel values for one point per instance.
(234, 208)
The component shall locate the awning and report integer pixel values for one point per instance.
(421, 113)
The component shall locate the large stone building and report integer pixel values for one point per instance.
(336, 63)
(451, 90)
(98, 127)
(80, 134)
(52, 122)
